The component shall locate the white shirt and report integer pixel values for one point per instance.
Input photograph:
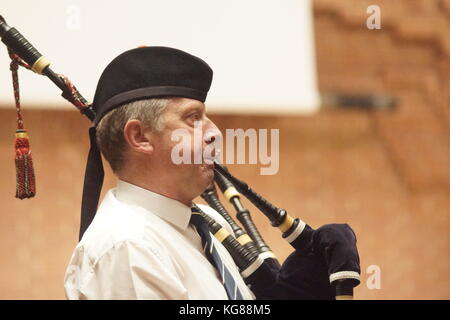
(140, 246)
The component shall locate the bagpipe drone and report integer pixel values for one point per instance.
(324, 263)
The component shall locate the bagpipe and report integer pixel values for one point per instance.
(324, 263)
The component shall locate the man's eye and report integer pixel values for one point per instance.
(196, 116)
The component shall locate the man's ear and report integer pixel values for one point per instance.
(136, 137)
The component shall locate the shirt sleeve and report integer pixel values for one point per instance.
(130, 270)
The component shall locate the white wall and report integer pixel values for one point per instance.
(261, 51)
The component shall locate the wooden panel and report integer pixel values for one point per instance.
(386, 174)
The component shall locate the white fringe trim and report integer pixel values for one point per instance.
(255, 265)
(345, 275)
(267, 254)
(296, 233)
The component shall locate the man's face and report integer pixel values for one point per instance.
(187, 116)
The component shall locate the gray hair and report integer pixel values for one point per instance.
(109, 133)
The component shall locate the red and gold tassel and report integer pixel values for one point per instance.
(25, 181)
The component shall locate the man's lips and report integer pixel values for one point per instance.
(209, 159)
(208, 165)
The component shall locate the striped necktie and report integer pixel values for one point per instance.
(213, 256)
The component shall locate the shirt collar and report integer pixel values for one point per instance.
(166, 208)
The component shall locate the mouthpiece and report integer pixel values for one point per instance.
(241, 186)
(276, 215)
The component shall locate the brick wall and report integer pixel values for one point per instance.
(385, 173)
(407, 58)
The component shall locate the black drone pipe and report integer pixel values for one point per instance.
(14, 40)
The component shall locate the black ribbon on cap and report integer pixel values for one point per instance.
(93, 182)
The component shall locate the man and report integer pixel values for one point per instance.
(140, 244)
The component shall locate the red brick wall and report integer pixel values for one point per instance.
(387, 174)
(407, 58)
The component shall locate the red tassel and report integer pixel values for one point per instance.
(25, 181)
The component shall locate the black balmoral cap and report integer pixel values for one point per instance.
(141, 73)
(149, 72)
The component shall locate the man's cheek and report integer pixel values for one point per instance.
(182, 147)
